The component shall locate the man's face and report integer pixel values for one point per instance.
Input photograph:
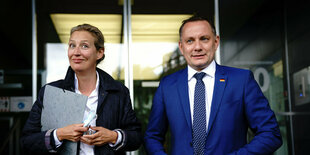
(198, 44)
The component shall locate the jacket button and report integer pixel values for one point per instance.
(191, 144)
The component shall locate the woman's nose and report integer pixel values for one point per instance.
(76, 51)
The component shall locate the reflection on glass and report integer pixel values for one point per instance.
(111, 27)
(109, 24)
(56, 61)
(258, 47)
(155, 52)
(149, 59)
(155, 38)
(302, 86)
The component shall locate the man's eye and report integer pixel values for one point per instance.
(189, 41)
(204, 38)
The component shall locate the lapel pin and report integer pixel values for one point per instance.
(222, 80)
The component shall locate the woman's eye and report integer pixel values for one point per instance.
(84, 46)
(71, 45)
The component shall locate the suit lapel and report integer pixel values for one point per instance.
(219, 87)
(182, 85)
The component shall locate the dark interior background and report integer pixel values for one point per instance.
(277, 26)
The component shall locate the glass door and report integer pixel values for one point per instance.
(111, 27)
(55, 20)
(155, 53)
(258, 46)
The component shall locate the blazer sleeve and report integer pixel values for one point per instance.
(261, 120)
(158, 124)
(33, 139)
(130, 126)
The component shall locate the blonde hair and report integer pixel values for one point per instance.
(94, 31)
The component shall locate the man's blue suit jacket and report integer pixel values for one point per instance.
(237, 104)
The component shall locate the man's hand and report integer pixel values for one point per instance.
(101, 137)
(71, 132)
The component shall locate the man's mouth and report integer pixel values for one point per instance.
(198, 55)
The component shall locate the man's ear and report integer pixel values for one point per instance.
(217, 41)
(181, 47)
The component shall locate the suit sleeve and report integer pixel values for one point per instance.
(157, 126)
(261, 120)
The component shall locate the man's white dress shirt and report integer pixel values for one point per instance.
(208, 81)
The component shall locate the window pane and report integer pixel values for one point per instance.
(252, 38)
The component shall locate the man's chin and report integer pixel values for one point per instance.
(201, 66)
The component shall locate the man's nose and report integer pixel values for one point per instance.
(198, 46)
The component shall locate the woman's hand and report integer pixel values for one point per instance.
(101, 137)
(71, 132)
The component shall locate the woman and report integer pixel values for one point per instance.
(116, 127)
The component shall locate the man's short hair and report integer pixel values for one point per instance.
(196, 18)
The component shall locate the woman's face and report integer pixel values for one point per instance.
(82, 52)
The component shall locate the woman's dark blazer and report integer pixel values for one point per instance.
(114, 112)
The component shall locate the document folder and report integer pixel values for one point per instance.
(61, 108)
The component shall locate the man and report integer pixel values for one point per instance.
(211, 111)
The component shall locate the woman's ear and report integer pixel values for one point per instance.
(100, 53)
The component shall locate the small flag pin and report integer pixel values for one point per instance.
(222, 80)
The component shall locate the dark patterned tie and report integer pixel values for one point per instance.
(199, 122)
